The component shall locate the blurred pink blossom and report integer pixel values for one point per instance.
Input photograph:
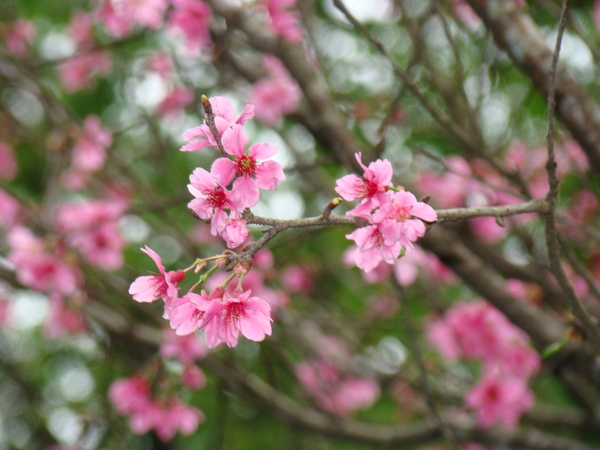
(81, 29)
(275, 96)
(191, 19)
(296, 279)
(77, 72)
(334, 391)
(18, 36)
(283, 21)
(176, 100)
(500, 400)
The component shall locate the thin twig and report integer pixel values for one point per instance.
(210, 122)
(413, 343)
(552, 243)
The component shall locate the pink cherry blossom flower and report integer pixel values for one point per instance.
(212, 199)
(249, 174)
(191, 19)
(224, 319)
(371, 188)
(8, 163)
(400, 218)
(224, 119)
(235, 232)
(284, 22)
(161, 285)
(373, 247)
(186, 315)
(478, 331)
(277, 95)
(18, 36)
(254, 281)
(500, 400)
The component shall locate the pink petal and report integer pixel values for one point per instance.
(246, 115)
(143, 290)
(223, 169)
(268, 173)
(195, 145)
(202, 180)
(152, 254)
(424, 211)
(234, 140)
(263, 151)
(245, 189)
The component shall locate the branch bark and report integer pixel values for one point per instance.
(515, 32)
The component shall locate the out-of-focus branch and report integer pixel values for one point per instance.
(539, 325)
(579, 310)
(514, 31)
(299, 64)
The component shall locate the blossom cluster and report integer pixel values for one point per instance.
(478, 331)
(327, 379)
(394, 215)
(133, 397)
(86, 229)
(239, 167)
(221, 314)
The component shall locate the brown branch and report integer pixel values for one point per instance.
(330, 124)
(515, 32)
(553, 246)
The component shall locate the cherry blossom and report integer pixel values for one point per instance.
(373, 248)
(186, 315)
(224, 319)
(212, 199)
(224, 119)
(162, 285)
(249, 174)
(376, 180)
